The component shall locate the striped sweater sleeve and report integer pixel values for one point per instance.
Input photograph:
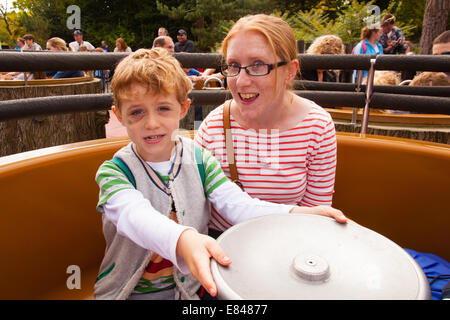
(110, 180)
(321, 169)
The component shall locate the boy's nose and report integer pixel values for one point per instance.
(151, 122)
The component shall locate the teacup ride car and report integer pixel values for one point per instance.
(395, 187)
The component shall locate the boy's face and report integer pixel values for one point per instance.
(151, 121)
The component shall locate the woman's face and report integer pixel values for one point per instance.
(118, 45)
(255, 96)
(378, 34)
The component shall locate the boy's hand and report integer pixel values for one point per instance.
(196, 249)
(322, 211)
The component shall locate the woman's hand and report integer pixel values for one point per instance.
(322, 211)
(196, 249)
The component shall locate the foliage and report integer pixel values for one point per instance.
(211, 19)
(350, 17)
(206, 21)
(10, 28)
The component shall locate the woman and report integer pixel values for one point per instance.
(369, 44)
(121, 46)
(326, 44)
(284, 145)
(58, 44)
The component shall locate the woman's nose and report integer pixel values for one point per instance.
(243, 78)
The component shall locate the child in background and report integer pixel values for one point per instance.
(154, 193)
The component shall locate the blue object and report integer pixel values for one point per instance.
(68, 74)
(193, 72)
(435, 268)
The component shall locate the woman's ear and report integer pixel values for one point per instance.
(185, 108)
(293, 68)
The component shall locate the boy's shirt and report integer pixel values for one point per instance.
(158, 274)
(223, 193)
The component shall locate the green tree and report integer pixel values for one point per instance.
(43, 18)
(349, 19)
(210, 20)
(10, 27)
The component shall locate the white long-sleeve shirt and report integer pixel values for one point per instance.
(134, 216)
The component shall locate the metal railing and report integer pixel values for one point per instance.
(417, 99)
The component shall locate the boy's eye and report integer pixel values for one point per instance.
(136, 112)
(164, 108)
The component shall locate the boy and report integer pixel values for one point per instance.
(153, 197)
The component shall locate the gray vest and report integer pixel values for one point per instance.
(125, 262)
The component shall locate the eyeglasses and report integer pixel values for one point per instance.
(257, 69)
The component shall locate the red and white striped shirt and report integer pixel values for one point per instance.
(296, 166)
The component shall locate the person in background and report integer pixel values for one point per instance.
(430, 79)
(101, 74)
(165, 42)
(163, 32)
(121, 46)
(392, 39)
(369, 44)
(30, 45)
(184, 44)
(58, 44)
(105, 46)
(78, 37)
(441, 44)
(20, 44)
(385, 78)
(327, 44)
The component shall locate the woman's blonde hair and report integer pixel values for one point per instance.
(154, 69)
(327, 44)
(386, 78)
(278, 33)
(57, 43)
(430, 79)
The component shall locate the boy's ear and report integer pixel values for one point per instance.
(117, 113)
(185, 108)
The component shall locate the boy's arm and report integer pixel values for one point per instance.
(134, 216)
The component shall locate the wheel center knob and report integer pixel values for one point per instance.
(311, 267)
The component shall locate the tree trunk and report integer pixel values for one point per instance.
(5, 18)
(434, 23)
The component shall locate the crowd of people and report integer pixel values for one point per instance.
(378, 38)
